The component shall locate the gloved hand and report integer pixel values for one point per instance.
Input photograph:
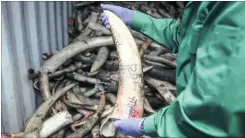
(125, 14)
(130, 126)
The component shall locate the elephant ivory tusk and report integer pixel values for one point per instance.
(72, 49)
(37, 118)
(101, 58)
(55, 123)
(130, 96)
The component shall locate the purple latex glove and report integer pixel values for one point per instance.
(130, 126)
(125, 14)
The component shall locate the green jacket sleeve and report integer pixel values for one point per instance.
(163, 31)
(212, 104)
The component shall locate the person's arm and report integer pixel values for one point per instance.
(164, 31)
(214, 106)
(213, 102)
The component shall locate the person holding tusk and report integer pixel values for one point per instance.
(210, 74)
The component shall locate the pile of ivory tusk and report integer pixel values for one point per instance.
(100, 71)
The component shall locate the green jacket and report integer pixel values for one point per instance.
(210, 74)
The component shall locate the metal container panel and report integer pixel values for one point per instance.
(28, 30)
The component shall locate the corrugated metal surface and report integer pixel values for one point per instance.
(28, 30)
